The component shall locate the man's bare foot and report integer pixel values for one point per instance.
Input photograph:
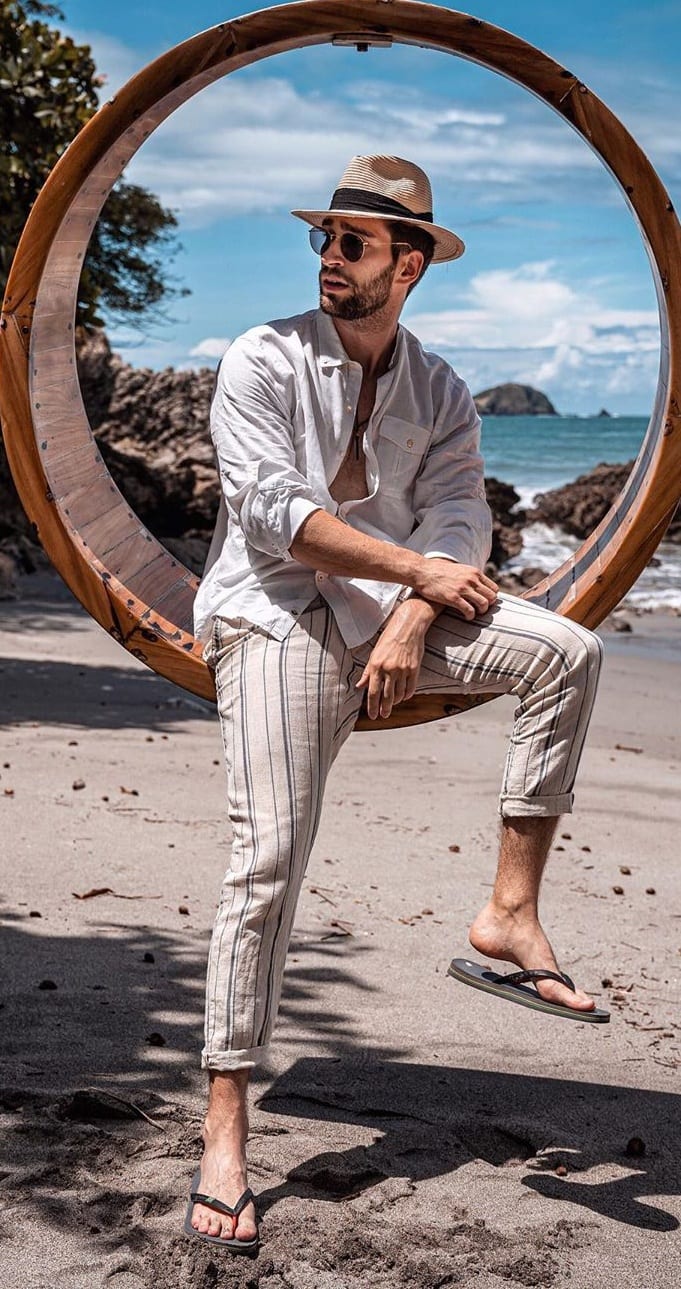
(223, 1165)
(515, 935)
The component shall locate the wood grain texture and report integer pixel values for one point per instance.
(44, 422)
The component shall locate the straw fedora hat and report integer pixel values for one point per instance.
(388, 188)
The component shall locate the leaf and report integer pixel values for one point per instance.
(107, 890)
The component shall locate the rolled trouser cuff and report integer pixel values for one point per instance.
(513, 807)
(244, 1059)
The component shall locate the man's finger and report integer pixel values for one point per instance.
(461, 606)
(479, 600)
(387, 696)
(374, 691)
(400, 690)
(411, 687)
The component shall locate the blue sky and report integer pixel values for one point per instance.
(554, 290)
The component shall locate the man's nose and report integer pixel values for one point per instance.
(333, 253)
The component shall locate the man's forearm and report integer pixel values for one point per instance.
(330, 546)
(414, 612)
(327, 544)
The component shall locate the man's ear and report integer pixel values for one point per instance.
(411, 266)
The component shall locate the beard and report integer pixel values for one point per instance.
(362, 301)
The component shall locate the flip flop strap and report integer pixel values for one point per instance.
(211, 1202)
(519, 977)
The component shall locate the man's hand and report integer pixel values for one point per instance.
(391, 672)
(461, 587)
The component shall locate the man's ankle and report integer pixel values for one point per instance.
(521, 907)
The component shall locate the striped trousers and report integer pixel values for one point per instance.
(286, 708)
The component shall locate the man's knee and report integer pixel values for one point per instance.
(587, 650)
(575, 648)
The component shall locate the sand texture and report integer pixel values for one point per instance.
(407, 1132)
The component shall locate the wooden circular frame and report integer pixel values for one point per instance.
(122, 575)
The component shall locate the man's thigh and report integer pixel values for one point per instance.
(285, 707)
(502, 651)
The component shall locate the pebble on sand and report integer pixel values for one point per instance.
(635, 1146)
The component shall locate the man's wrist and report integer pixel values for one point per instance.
(414, 568)
(416, 611)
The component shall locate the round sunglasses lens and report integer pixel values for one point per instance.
(319, 240)
(352, 247)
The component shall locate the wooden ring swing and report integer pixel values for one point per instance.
(122, 575)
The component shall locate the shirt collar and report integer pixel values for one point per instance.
(330, 347)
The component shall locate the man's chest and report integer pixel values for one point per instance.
(337, 414)
(350, 482)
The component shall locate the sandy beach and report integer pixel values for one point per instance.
(407, 1132)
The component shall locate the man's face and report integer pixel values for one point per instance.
(356, 290)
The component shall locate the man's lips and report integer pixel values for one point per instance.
(330, 283)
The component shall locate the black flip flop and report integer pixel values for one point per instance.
(512, 988)
(233, 1245)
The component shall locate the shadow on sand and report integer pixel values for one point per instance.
(433, 1119)
(94, 1029)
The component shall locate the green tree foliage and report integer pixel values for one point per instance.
(48, 91)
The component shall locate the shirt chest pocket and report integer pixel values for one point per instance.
(400, 448)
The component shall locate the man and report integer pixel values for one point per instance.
(350, 567)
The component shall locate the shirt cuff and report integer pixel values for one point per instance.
(298, 510)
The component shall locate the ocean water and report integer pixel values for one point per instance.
(537, 453)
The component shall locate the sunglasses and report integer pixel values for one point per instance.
(351, 245)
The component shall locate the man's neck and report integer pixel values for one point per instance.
(369, 341)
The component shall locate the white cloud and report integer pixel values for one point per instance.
(255, 142)
(211, 347)
(530, 326)
(531, 307)
(259, 143)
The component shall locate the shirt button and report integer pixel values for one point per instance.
(410, 443)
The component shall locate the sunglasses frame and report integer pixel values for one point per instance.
(330, 236)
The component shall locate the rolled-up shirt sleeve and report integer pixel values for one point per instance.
(453, 520)
(252, 430)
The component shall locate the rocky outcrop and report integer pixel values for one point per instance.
(578, 507)
(152, 431)
(151, 428)
(513, 400)
(507, 537)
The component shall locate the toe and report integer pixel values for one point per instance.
(246, 1231)
(563, 996)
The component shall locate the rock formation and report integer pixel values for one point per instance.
(578, 507)
(507, 536)
(152, 429)
(513, 400)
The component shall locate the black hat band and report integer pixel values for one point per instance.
(375, 204)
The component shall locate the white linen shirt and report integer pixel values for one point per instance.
(281, 422)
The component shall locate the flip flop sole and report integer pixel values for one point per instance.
(232, 1245)
(478, 977)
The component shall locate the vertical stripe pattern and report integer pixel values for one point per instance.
(286, 707)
